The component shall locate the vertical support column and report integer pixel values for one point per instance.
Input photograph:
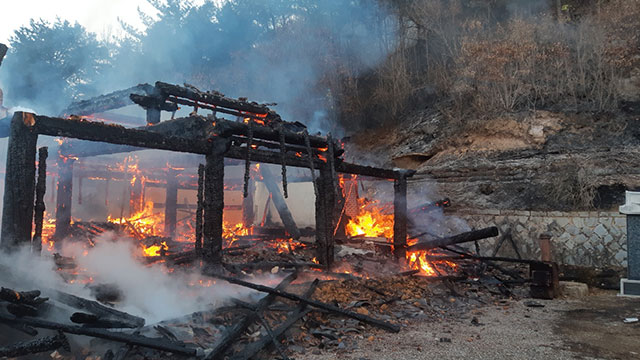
(400, 217)
(64, 197)
(153, 116)
(41, 188)
(325, 202)
(248, 215)
(171, 204)
(199, 210)
(213, 208)
(19, 182)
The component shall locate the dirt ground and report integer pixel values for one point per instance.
(588, 328)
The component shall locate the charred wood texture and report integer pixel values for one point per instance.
(48, 343)
(41, 188)
(22, 297)
(19, 183)
(399, 217)
(456, 239)
(158, 344)
(215, 99)
(152, 102)
(96, 308)
(325, 202)
(279, 202)
(213, 208)
(114, 100)
(252, 349)
(94, 321)
(3, 52)
(317, 304)
(199, 210)
(63, 197)
(236, 330)
(171, 204)
(248, 214)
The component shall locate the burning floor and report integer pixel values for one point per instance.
(165, 256)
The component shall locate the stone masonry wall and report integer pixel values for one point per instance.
(591, 238)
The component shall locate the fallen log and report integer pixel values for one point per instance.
(254, 348)
(317, 304)
(238, 329)
(22, 297)
(456, 239)
(90, 320)
(48, 343)
(157, 344)
(96, 308)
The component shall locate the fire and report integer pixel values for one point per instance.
(154, 250)
(232, 232)
(286, 245)
(142, 223)
(371, 222)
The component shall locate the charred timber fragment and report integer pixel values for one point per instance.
(158, 344)
(400, 217)
(199, 210)
(456, 239)
(283, 160)
(279, 202)
(171, 204)
(247, 161)
(216, 99)
(317, 304)
(325, 202)
(232, 334)
(22, 297)
(248, 214)
(41, 187)
(96, 308)
(213, 208)
(19, 183)
(102, 103)
(48, 343)
(94, 321)
(301, 310)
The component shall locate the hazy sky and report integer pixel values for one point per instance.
(99, 16)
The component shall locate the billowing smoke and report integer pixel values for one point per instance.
(151, 292)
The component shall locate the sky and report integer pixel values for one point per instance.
(98, 16)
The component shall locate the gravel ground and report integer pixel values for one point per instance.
(562, 329)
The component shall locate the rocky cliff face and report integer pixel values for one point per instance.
(537, 160)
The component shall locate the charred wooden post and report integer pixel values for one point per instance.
(325, 202)
(279, 202)
(136, 201)
(213, 208)
(171, 204)
(19, 183)
(64, 200)
(248, 214)
(41, 187)
(400, 217)
(200, 210)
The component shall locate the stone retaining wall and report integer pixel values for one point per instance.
(591, 238)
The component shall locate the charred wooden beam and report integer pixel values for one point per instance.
(317, 304)
(3, 51)
(213, 208)
(158, 344)
(215, 99)
(232, 334)
(280, 204)
(263, 132)
(19, 182)
(248, 213)
(22, 297)
(41, 187)
(114, 100)
(456, 239)
(252, 349)
(199, 210)
(64, 197)
(325, 203)
(36, 346)
(96, 308)
(171, 204)
(94, 321)
(399, 217)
